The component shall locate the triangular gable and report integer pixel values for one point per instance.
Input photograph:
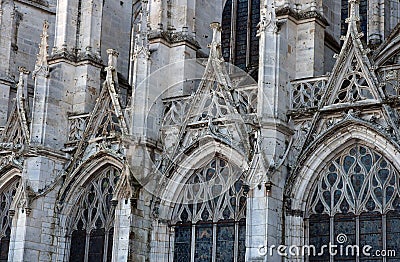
(352, 79)
(212, 104)
(352, 83)
(106, 120)
(16, 130)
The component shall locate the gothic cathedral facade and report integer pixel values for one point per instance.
(199, 130)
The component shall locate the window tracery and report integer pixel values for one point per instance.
(210, 221)
(93, 220)
(6, 198)
(356, 194)
(354, 86)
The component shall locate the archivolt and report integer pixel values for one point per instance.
(300, 183)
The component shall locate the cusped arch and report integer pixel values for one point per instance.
(302, 180)
(87, 180)
(170, 188)
(85, 173)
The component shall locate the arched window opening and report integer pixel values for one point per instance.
(211, 220)
(356, 194)
(6, 198)
(93, 220)
(240, 44)
(363, 17)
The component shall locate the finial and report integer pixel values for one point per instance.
(22, 86)
(216, 27)
(112, 57)
(268, 21)
(215, 46)
(41, 66)
(111, 69)
(354, 14)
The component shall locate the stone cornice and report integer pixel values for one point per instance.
(72, 58)
(302, 15)
(173, 38)
(39, 4)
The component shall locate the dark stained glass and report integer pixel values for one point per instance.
(393, 235)
(371, 234)
(110, 244)
(96, 245)
(183, 238)
(319, 236)
(214, 227)
(78, 242)
(242, 241)
(225, 242)
(94, 211)
(226, 30)
(246, 21)
(204, 243)
(4, 246)
(345, 224)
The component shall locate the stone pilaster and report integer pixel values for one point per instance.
(141, 70)
(6, 82)
(277, 56)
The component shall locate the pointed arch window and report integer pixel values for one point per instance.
(6, 198)
(93, 219)
(210, 222)
(240, 43)
(356, 194)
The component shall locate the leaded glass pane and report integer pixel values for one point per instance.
(78, 243)
(345, 224)
(393, 235)
(247, 17)
(319, 236)
(357, 185)
(96, 245)
(242, 241)
(6, 197)
(204, 243)
(4, 246)
(371, 233)
(183, 237)
(110, 244)
(225, 242)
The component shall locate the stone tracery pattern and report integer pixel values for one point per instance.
(358, 180)
(356, 194)
(212, 193)
(93, 217)
(307, 93)
(6, 198)
(354, 86)
(203, 215)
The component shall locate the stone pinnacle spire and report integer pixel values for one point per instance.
(41, 66)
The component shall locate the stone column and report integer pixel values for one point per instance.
(4, 103)
(7, 11)
(90, 27)
(374, 22)
(277, 57)
(66, 25)
(141, 70)
(6, 82)
(122, 231)
(35, 224)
